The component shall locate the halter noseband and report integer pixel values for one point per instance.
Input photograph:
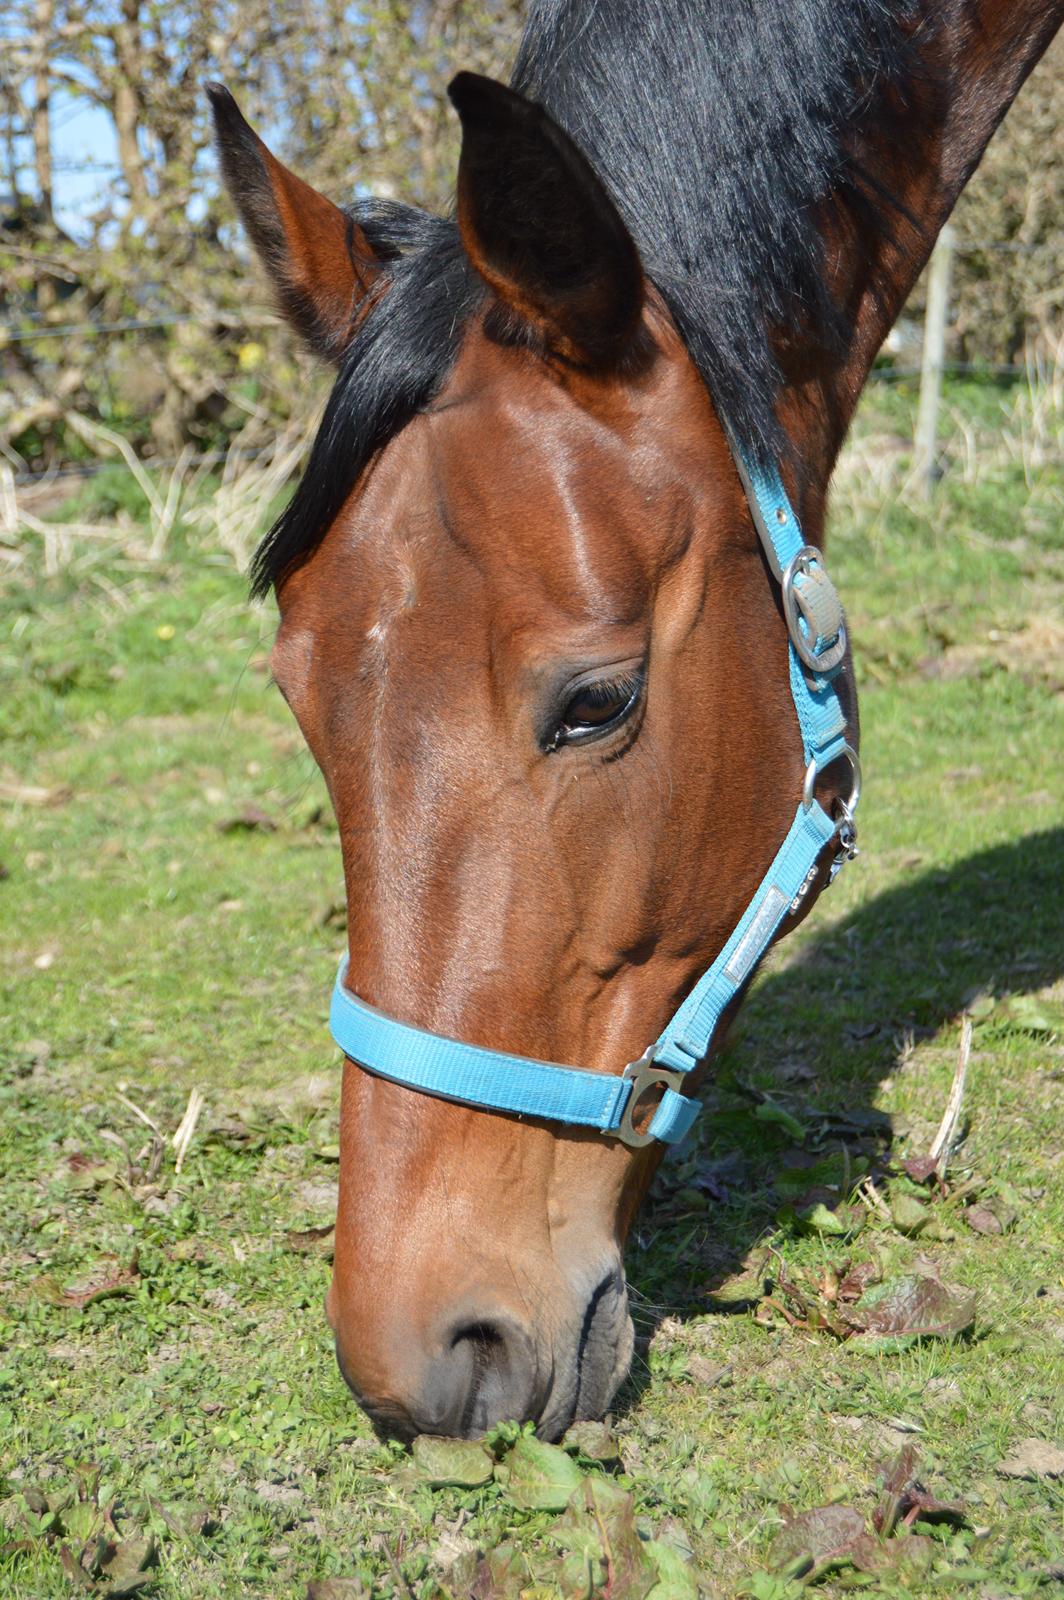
(494, 1081)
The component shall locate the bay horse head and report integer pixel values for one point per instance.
(534, 643)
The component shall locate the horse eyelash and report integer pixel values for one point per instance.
(601, 690)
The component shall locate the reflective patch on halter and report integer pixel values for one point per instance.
(756, 936)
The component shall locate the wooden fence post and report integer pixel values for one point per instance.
(931, 362)
(8, 500)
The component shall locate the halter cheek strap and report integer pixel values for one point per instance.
(494, 1081)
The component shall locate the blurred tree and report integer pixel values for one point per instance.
(1007, 292)
(1009, 274)
(351, 96)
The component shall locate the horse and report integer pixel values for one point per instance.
(536, 627)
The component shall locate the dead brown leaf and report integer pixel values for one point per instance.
(817, 1540)
(911, 1306)
(982, 1220)
(103, 1282)
(313, 1241)
(921, 1169)
(856, 1279)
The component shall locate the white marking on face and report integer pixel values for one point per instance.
(398, 594)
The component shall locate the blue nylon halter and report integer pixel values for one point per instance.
(495, 1081)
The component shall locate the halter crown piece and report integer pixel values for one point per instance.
(494, 1081)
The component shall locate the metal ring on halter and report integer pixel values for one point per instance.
(643, 1074)
(828, 658)
(847, 753)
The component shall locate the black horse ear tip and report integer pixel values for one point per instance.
(472, 92)
(222, 103)
(463, 88)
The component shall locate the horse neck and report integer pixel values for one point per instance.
(976, 58)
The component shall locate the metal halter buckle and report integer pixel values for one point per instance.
(832, 654)
(643, 1074)
(812, 772)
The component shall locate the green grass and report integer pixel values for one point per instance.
(145, 951)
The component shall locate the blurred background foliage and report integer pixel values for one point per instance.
(352, 97)
(135, 315)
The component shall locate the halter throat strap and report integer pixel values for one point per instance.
(492, 1080)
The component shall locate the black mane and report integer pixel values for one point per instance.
(720, 127)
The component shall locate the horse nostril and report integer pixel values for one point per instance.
(485, 1338)
(487, 1374)
(481, 1371)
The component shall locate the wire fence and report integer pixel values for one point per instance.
(42, 326)
(15, 333)
(33, 326)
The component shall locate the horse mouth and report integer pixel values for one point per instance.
(602, 1358)
(388, 1418)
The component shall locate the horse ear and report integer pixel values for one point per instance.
(539, 226)
(319, 262)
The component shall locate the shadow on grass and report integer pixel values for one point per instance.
(823, 1032)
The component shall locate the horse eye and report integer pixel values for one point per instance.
(595, 708)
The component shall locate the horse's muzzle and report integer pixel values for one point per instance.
(488, 1367)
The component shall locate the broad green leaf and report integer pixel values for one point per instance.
(983, 1006)
(538, 1476)
(499, 1574)
(907, 1214)
(830, 1171)
(1034, 1014)
(84, 1174)
(82, 1521)
(676, 1581)
(183, 1519)
(907, 1558)
(576, 1575)
(126, 1570)
(840, 1223)
(599, 1526)
(460, 1462)
(592, 1440)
